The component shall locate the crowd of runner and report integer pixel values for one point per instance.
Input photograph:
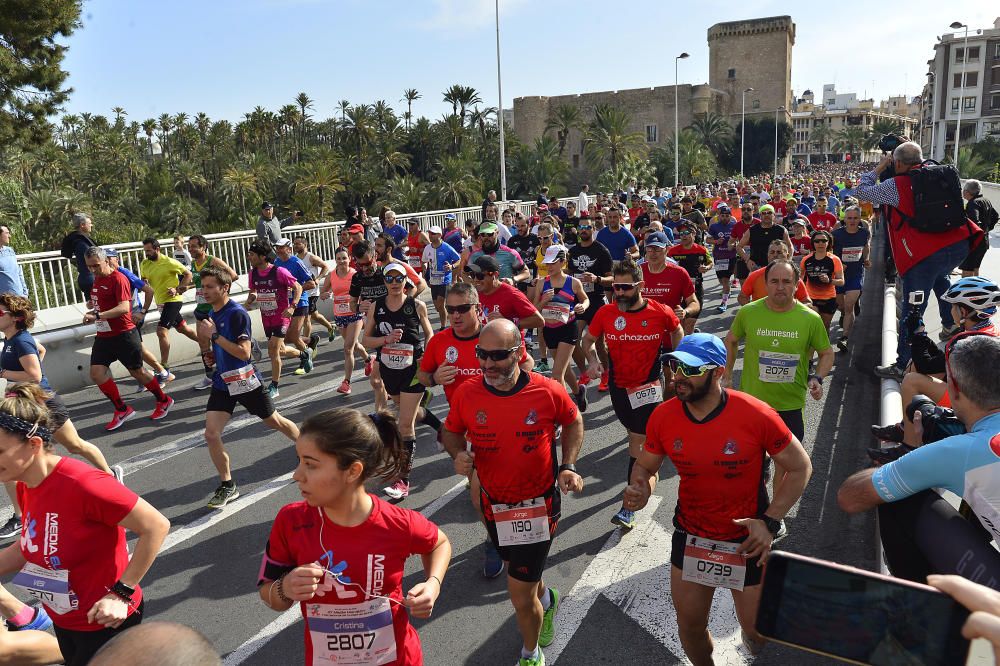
(532, 311)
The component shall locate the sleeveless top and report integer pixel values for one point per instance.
(405, 318)
(199, 297)
(559, 310)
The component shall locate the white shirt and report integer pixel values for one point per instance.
(582, 202)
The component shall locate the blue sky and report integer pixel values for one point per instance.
(225, 57)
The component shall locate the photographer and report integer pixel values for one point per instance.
(982, 212)
(924, 259)
(921, 532)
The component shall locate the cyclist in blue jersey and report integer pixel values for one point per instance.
(921, 532)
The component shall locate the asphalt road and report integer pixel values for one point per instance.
(616, 602)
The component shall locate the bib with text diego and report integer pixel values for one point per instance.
(713, 563)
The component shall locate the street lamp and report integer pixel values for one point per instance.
(677, 149)
(503, 161)
(965, 64)
(930, 109)
(743, 127)
(776, 111)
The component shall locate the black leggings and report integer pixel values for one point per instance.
(78, 647)
(924, 534)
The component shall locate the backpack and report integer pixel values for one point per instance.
(938, 205)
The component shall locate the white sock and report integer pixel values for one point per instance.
(546, 599)
(529, 654)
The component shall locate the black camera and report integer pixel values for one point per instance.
(938, 422)
(889, 142)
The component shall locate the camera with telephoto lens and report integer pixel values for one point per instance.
(889, 142)
(938, 422)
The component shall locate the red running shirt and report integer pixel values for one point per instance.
(108, 291)
(508, 301)
(669, 287)
(71, 523)
(512, 435)
(371, 555)
(634, 340)
(459, 352)
(720, 461)
(822, 221)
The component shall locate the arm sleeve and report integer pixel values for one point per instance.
(773, 432)
(875, 192)
(565, 408)
(20, 278)
(455, 421)
(428, 362)
(123, 290)
(355, 289)
(411, 274)
(736, 328)
(939, 465)
(688, 288)
(746, 288)
(654, 437)
(278, 558)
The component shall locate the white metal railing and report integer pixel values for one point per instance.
(52, 279)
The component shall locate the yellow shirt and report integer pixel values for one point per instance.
(543, 270)
(161, 275)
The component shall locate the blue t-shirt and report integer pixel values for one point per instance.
(509, 260)
(617, 242)
(232, 322)
(849, 247)
(661, 204)
(454, 238)
(443, 254)
(135, 282)
(14, 348)
(299, 271)
(397, 233)
(722, 233)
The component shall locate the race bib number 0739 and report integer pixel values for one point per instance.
(713, 563)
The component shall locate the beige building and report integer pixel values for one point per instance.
(810, 144)
(755, 53)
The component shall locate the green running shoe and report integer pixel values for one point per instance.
(528, 661)
(548, 633)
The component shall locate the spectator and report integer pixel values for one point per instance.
(180, 252)
(924, 260)
(980, 211)
(372, 226)
(268, 227)
(583, 199)
(543, 196)
(491, 197)
(984, 622)
(75, 246)
(11, 275)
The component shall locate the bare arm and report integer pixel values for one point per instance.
(858, 493)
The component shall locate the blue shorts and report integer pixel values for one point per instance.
(342, 322)
(851, 284)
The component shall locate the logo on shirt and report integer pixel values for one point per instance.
(620, 323)
(28, 533)
(643, 324)
(385, 328)
(775, 342)
(729, 449)
(678, 445)
(531, 418)
(481, 417)
(51, 542)
(336, 573)
(451, 354)
(995, 444)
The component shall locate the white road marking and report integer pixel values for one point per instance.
(293, 614)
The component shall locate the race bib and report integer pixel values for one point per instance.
(397, 355)
(414, 261)
(437, 277)
(523, 523)
(103, 326)
(342, 306)
(647, 394)
(777, 368)
(268, 303)
(352, 634)
(588, 287)
(242, 380)
(722, 264)
(199, 296)
(851, 254)
(713, 563)
(558, 312)
(48, 586)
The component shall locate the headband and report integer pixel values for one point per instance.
(14, 425)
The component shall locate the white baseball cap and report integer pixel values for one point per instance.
(555, 254)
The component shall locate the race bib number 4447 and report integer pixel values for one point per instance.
(713, 563)
(352, 634)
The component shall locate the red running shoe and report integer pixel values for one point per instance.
(369, 364)
(162, 408)
(603, 386)
(345, 388)
(119, 419)
(584, 379)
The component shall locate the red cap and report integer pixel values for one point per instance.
(355, 229)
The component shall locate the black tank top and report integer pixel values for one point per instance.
(760, 239)
(405, 318)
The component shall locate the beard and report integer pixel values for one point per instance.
(694, 393)
(627, 302)
(489, 247)
(504, 377)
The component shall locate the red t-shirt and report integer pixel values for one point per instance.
(779, 206)
(371, 555)
(720, 460)
(822, 221)
(512, 435)
(801, 246)
(634, 340)
(459, 352)
(108, 291)
(755, 287)
(71, 523)
(670, 286)
(508, 301)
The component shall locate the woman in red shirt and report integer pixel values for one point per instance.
(72, 552)
(340, 553)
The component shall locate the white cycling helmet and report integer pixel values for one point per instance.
(975, 292)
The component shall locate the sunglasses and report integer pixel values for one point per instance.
(820, 240)
(462, 309)
(683, 233)
(545, 238)
(476, 275)
(495, 354)
(585, 227)
(395, 279)
(623, 286)
(689, 370)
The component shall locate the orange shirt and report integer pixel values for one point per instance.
(756, 288)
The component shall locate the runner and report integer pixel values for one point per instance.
(619, 240)
(500, 300)
(755, 286)
(591, 263)
(560, 299)
(853, 244)
(169, 279)
(91, 588)
(450, 360)
(416, 240)
(269, 286)
(439, 260)
(719, 237)
(319, 269)
(781, 335)
(754, 242)
(824, 272)
(300, 304)
(512, 268)
(547, 237)
(236, 379)
(821, 219)
(347, 320)
(510, 417)
(393, 326)
(117, 339)
(696, 261)
(718, 441)
(801, 242)
(666, 282)
(635, 329)
(342, 539)
(200, 259)
(452, 234)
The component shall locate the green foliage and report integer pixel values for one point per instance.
(631, 168)
(758, 146)
(608, 140)
(971, 165)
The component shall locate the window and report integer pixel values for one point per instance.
(969, 103)
(732, 73)
(959, 54)
(650, 133)
(954, 104)
(996, 51)
(576, 161)
(971, 79)
(973, 53)
(995, 102)
(995, 77)
(755, 104)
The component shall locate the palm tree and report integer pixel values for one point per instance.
(880, 128)
(405, 194)
(478, 118)
(119, 114)
(820, 136)
(360, 125)
(608, 139)
(851, 139)
(538, 166)
(304, 103)
(320, 177)
(344, 106)
(451, 96)
(456, 184)
(410, 95)
(713, 130)
(564, 120)
(972, 166)
(468, 96)
(240, 181)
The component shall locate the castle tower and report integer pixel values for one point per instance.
(755, 53)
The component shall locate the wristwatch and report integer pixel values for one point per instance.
(770, 523)
(816, 377)
(123, 591)
(215, 336)
(568, 467)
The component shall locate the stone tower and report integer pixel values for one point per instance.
(756, 53)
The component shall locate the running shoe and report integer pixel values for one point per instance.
(426, 398)
(887, 455)
(492, 562)
(723, 307)
(306, 360)
(891, 371)
(532, 661)
(118, 472)
(205, 383)
(529, 342)
(255, 352)
(581, 398)
(398, 490)
(542, 366)
(889, 433)
(548, 632)
(584, 379)
(11, 528)
(344, 388)
(165, 376)
(39, 622)
(299, 371)
(369, 365)
(272, 391)
(333, 334)
(119, 419)
(603, 386)
(624, 518)
(223, 495)
(314, 342)
(142, 389)
(162, 408)
(842, 344)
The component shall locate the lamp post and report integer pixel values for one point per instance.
(743, 127)
(930, 75)
(503, 160)
(776, 111)
(677, 149)
(965, 64)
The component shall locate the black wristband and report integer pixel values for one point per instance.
(816, 377)
(567, 467)
(123, 591)
(215, 336)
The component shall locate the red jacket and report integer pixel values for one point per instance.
(909, 246)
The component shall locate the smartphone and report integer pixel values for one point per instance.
(859, 616)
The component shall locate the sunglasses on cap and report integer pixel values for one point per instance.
(689, 370)
(461, 309)
(495, 354)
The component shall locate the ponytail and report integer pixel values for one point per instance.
(351, 437)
